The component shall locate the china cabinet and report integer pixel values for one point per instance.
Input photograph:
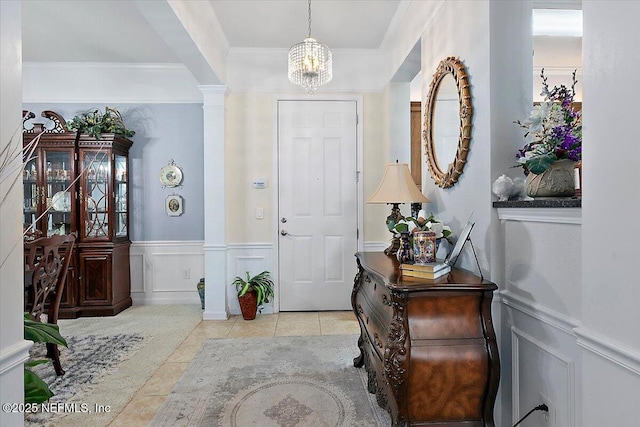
(76, 183)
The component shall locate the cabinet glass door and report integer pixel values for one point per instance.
(96, 194)
(57, 183)
(121, 196)
(31, 195)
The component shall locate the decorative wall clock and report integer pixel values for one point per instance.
(170, 175)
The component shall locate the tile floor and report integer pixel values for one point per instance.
(150, 397)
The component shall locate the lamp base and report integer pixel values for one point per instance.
(393, 248)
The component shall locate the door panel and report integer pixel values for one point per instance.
(318, 204)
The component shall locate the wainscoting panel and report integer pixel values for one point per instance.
(254, 258)
(541, 374)
(166, 272)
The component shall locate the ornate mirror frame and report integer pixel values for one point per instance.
(456, 68)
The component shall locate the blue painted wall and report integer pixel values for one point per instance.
(163, 132)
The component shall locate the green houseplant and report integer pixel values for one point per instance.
(95, 123)
(35, 389)
(253, 293)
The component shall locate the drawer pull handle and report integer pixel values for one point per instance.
(386, 300)
(377, 341)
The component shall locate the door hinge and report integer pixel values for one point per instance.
(357, 119)
(357, 233)
(357, 176)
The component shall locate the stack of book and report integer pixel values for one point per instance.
(431, 270)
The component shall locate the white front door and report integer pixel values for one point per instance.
(318, 220)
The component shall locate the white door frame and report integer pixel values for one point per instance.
(276, 184)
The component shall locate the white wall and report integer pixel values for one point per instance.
(13, 348)
(609, 337)
(470, 43)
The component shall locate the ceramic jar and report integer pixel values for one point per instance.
(404, 253)
(424, 247)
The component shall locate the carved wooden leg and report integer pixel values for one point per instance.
(372, 382)
(358, 362)
(54, 354)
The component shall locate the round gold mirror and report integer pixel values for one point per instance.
(447, 122)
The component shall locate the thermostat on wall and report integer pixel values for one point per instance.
(259, 183)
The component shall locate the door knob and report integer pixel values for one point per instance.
(283, 220)
(284, 233)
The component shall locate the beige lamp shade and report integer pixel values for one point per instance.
(397, 186)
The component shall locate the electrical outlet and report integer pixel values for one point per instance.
(187, 273)
(547, 419)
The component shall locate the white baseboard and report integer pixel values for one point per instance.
(375, 246)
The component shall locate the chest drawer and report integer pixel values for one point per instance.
(373, 303)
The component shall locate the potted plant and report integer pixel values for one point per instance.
(555, 131)
(407, 227)
(253, 293)
(95, 123)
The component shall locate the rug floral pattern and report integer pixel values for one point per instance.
(275, 381)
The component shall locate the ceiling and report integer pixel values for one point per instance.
(116, 31)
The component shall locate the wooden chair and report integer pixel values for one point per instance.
(46, 262)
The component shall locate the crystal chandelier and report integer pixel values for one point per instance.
(310, 62)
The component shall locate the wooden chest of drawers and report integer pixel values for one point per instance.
(429, 347)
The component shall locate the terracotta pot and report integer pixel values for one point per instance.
(556, 181)
(249, 305)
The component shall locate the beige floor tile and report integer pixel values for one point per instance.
(334, 327)
(296, 323)
(338, 323)
(163, 380)
(185, 353)
(250, 329)
(336, 315)
(297, 316)
(139, 411)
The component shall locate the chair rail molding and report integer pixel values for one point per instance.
(14, 355)
(540, 312)
(609, 349)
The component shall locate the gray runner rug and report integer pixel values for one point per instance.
(273, 381)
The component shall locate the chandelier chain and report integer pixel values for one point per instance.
(309, 18)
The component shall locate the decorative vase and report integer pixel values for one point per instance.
(424, 247)
(249, 305)
(200, 287)
(556, 181)
(404, 253)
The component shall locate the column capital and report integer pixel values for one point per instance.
(213, 94)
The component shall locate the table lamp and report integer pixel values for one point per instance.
(397, 187)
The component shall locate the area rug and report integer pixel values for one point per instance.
(274, 381)
(162, 327)
(85, 360)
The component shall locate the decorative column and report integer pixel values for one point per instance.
(215, 249)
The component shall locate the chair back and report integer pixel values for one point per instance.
(47, 259)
